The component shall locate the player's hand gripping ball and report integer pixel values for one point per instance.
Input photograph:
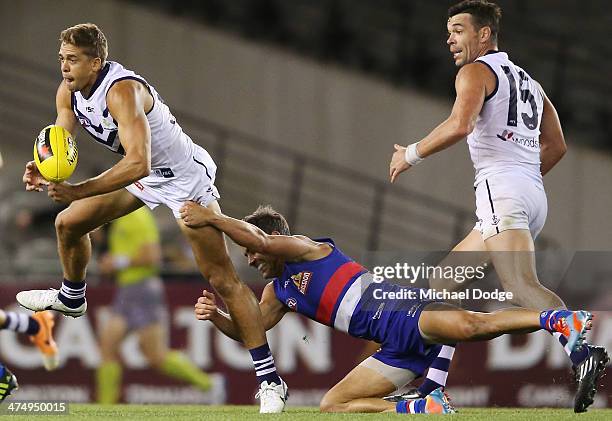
(55, 153)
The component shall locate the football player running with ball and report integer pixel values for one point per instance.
(515, 137)
(160, 165)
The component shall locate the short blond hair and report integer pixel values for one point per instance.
(89, 37)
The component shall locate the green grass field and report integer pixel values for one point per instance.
(193, 412)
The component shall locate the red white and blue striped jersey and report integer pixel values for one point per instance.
(340, 293)
(326, 290)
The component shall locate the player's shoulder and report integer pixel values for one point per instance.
(317, 249)
(128, 92)
(476, 70)
(477, 74)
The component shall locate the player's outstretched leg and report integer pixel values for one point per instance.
(512, 249)
(8, 382)
(72, 226)
(39, 327)
(587, 361)
(444, 323)
(215, 265)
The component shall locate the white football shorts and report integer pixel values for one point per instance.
(194, 180)
(504, 203)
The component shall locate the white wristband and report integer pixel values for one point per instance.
(412, 156)
(121, 261)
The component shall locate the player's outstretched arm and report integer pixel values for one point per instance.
(552, 141)
(289, 247)
(272, 311)
(472, 84)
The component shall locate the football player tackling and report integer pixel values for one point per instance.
(160, 165)
(515, 137)
(314, 278)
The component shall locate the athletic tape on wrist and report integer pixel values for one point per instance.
(412, 156)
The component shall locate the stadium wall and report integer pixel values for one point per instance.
(320, 110)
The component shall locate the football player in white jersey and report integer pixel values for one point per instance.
(160, 165)
(515, 138)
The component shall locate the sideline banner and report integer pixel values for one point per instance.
(509, 371)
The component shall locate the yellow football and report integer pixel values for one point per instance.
(55, 153)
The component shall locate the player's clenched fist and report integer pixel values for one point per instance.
(32, 178)
(206, 307)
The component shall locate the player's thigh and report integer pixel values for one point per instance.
(209, 249)
(442, 323)
(360, 382)
(512, 254)
(472, 242)
(111, 336)
(85, 215)
(152, 341)
(469, 253)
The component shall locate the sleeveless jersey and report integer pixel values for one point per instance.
(505, 139)
(339, 292)
(171, 148)
(326, 290)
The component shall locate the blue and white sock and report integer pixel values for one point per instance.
(438, 371)
(21, 323)
(416, 406)
(264, 364)
(548, 319)
(72, 294)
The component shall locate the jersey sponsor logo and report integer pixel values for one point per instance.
(292, 303)
(530, 142)
(89, 109)
(301, 281)
(139, 185)
(506, 135)
(163, 172)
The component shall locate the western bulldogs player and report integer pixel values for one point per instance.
(314, 278)
(161, 165)
(515, 137)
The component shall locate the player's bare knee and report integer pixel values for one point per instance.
(67, 226)
(224, 282)
(328, 404)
